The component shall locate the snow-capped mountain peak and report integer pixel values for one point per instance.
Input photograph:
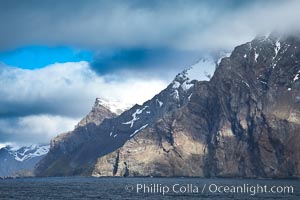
(202, 70)
(116, 107)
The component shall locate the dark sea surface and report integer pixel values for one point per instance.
(147, 188)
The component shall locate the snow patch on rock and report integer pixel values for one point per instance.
(138, 130)
(134, 116)
(256, 56)
(277, 48)
(296, 76)
(159, 102)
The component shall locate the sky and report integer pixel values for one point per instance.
(56, 57)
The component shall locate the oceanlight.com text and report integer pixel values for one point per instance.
(250, 189)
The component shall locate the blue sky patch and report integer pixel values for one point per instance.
(33, 57)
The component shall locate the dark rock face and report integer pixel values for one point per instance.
(244, 122)
(258, 99)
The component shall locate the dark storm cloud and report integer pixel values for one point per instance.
(143, 59)
(40, 105)
(136, 24)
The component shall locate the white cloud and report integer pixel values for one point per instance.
(5, 144)
(67, 89)
(242, 25)
(34, 129)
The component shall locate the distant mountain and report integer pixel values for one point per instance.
(241, 120)
(21, 161)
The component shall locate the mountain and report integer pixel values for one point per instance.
(76, 152)
(21, 161)
(244, 121)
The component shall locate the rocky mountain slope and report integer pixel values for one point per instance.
(59, 160)
(243, 122)
(21, 161)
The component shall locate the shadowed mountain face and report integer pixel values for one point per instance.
(243, 122)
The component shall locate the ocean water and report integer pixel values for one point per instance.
(148, 188)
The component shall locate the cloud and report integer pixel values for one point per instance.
(33, 129)
(242, 25)
(5, 144)
(157, 62)
(134, 24)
